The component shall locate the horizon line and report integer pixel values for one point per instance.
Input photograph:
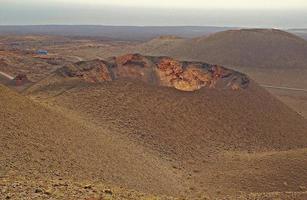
(161, 26)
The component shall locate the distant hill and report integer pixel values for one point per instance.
(264, 48)
(135, 33)
(300, 32)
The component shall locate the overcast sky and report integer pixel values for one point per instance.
(248, 13)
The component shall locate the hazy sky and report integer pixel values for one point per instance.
(251, 13)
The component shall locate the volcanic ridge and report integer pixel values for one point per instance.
(162, 71)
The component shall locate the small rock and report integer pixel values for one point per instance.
(58, 194)
(88, 186)
(14, 185)
(218, 192)
(56, 173)
(4, 190)
(108, 191)
(285, 183)
(38, 190)
(303, 188)
(59, 183)
(55, 184)
(191, 188)
(48, 192)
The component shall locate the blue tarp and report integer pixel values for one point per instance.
(42, 52)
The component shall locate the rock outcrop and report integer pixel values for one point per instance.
(162, 71)
(89, 71)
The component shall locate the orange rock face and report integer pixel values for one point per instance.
(162, 71)
(169, 71)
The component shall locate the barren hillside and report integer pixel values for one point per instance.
(40, 144)
(266, 48)
(219, 142)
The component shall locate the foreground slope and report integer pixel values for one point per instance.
(223, 142)
(43, 145)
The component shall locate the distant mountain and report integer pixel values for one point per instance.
(136, 33)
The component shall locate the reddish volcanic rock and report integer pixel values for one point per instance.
(20, 80)
(163, 71)
(89, 71)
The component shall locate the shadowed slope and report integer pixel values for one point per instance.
(38, 142)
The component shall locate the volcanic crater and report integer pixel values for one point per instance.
(161, 71)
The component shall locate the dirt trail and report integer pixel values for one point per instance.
(284, 88)
(7, 75)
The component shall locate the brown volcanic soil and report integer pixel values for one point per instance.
(221, 142)
(44, 145)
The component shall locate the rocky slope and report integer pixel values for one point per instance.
(162, 71)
